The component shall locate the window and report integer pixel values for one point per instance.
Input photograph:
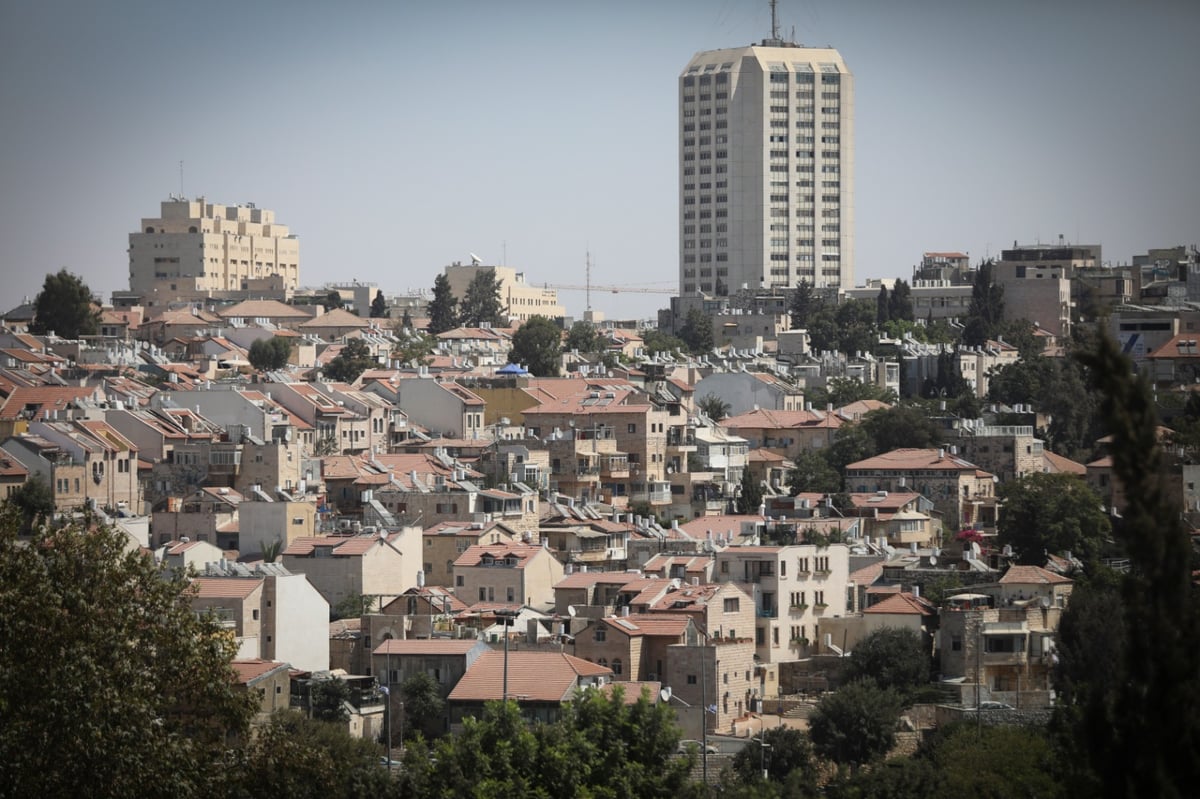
(691, 679)
(616, 667)
(600, 634)
(510, 594)
(458, 580)
(760, 636)
(254, 614)
(732, 605)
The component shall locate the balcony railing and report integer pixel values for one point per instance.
(768, 613)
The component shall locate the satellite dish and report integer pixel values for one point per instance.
(665, 694)
(1045, 602)
(933, 560)
(571, 611)
(475, 259)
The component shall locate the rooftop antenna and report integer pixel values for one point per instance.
(181, 194)
(774, 23)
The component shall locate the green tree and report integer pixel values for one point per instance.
(713, 407)
(1052, 513)
(294, 757)
(270, 354)
(750, 496)
(414, 345)
(65, 307)
(788, 752)
(1057, 387)
(882, 309)
(379, 308)
(1156, 723)
(857, 331)
(803, 303)
(812, 474)
(328, 699)
(986, 311)
(657, 341)
(900, 307)
(34, 500)
(602, 747)
(443, 313)
(856, 724)
(537, 345)
(842, 391)
(890, 657)
(898, 427)
(697, 331)
(354, 359)
(107, 675)
(481, 304)
(1005, 762)
(424, 708)
(333, 301)
(583, 337)
(406, 321)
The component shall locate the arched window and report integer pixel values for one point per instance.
(616, 667)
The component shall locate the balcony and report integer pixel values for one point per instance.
(798, 608)
(616, 466)
(820, 607)
(767, 613)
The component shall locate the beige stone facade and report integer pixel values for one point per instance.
(194, 247)
(519, 299)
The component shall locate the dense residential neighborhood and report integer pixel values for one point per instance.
(803, 534)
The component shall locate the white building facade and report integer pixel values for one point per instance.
(766, 169)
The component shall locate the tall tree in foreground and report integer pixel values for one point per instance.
(802, 305)
(64, 307)
(481, 304)
(750, 496)
(379, 307)
(110, 684)
(537, 345)
(442, 311)
(1152, 748)
(856, 724)
(986, 310)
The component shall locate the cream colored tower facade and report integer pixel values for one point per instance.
(766, 169)
(520, 300)
(197, 248)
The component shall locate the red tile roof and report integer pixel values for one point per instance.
(532, 677)
(902, 604)
(1033, 575)
(248, 671)
(226, 587)
(909, 460)
(768, 419)
(426, 646)
(474, 555)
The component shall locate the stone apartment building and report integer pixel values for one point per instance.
(962, 493)
(520, 574)
(1007, 451)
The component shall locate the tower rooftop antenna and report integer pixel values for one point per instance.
(774, 22)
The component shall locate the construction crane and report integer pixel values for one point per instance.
(613, 289)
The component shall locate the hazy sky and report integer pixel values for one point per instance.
(396, 137)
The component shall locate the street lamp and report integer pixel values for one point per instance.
(506, 617)
(387, 722)
(763, 746)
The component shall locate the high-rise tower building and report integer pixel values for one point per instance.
(766, 169)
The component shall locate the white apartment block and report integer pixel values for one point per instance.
(196, 247)
(766, 169)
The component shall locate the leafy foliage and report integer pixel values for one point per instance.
(443, 313)
(697, 332)
(803, 303)
(788, 752)
(898, 427)
(414, 346)
(354, 359)
(379, 307)
(1156, 722)
(269, 354)
(813, 474)
(537, 345)
(657, 341)
(891, 657)
(333, 301)
(601, 748)
(34, 500)
(65, 307)
(750, 496)
(481, 303)
(850, 327)
(298, 757)
(986, 311)
(583, 338)
(713, 407)
(106, 673)
(1058, 387)
(328, 699)
(856, 724)
(424, 707)
(1052, 513)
